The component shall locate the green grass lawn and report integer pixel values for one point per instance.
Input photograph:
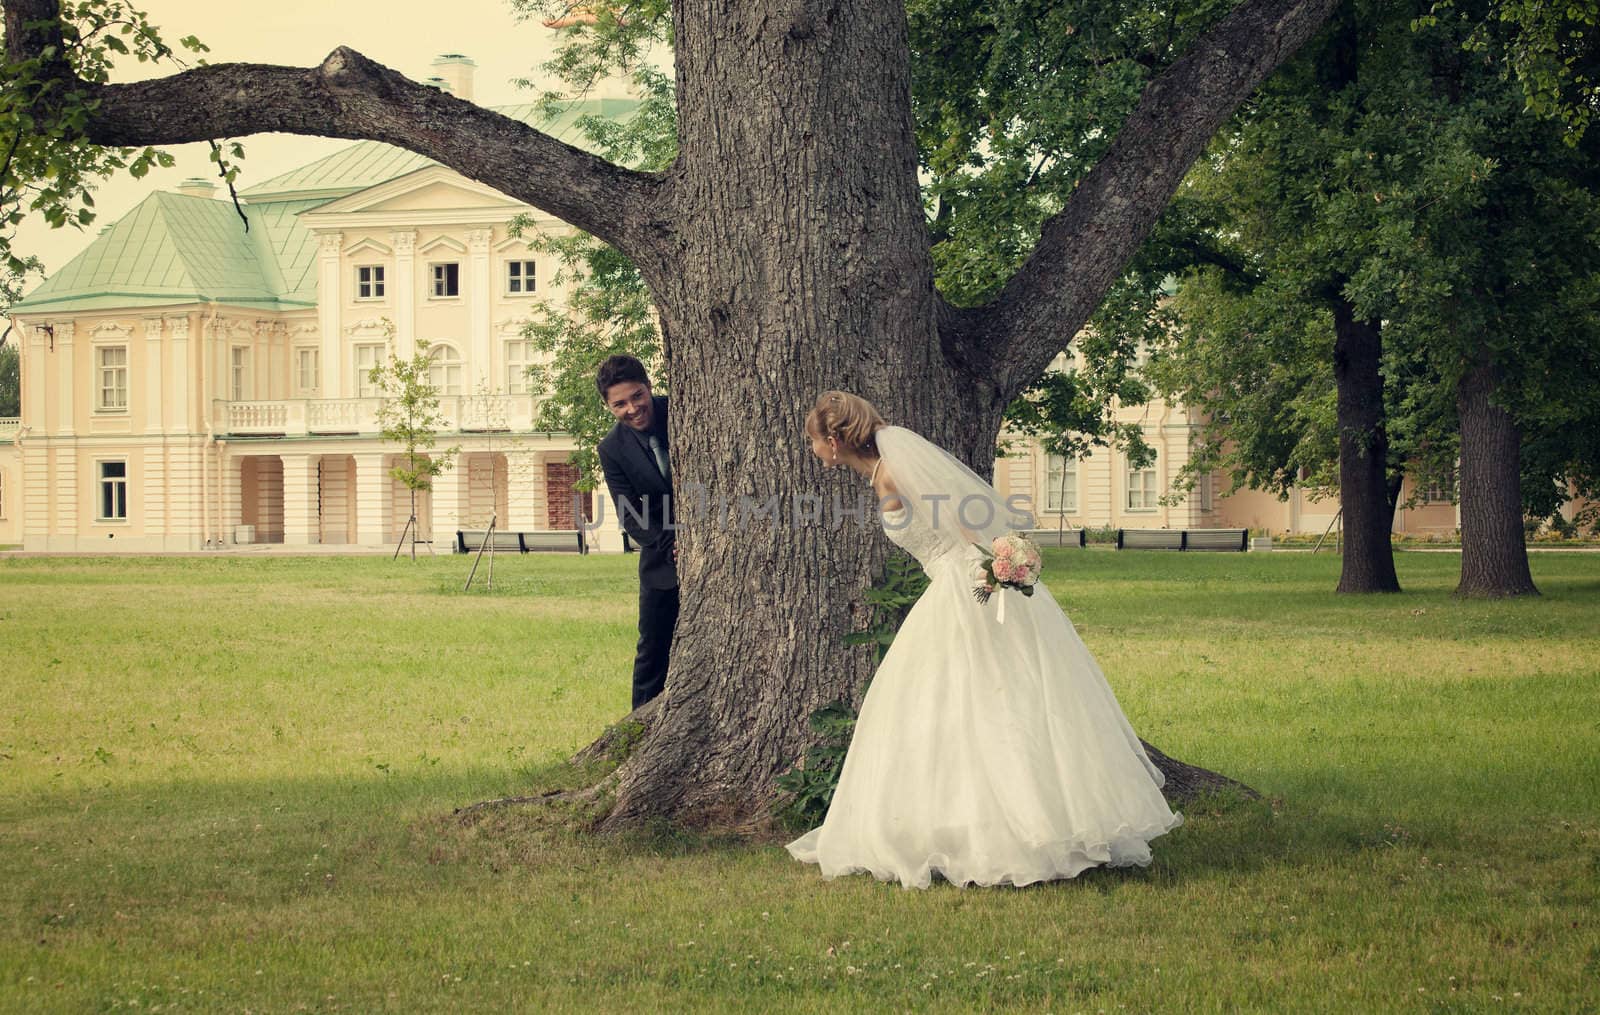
(227, 784)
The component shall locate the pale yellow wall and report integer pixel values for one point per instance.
(11, 490)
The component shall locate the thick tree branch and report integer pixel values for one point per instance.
(351, 96)
(1085, 246)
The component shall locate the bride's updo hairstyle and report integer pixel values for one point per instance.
(849, 419)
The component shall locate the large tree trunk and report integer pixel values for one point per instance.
(1494, 549)
(804, 265)
(1363, 455)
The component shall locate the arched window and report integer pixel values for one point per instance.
(444, 369)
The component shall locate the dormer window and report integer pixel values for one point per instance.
(446, 280)
(369, 282)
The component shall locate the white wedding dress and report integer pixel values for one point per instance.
(986, 752)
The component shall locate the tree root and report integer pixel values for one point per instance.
(1186, 782)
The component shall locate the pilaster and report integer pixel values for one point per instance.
(330, 301)
(479, 288)
(182, 373)
(403, 295)
(66, 379)
(154, 405)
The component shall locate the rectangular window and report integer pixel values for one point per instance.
(1142, 489)
(446, 280)
(1207, 487)
(367, 357)
(1061, 484)
(519, 356)
(1441, 491)
(308, 368)
(520, 278)
(239, 373)
(113, 491)
(111, 362)
(369, 282)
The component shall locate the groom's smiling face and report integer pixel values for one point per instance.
(631, 403)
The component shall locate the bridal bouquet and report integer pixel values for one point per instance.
(1010, 562)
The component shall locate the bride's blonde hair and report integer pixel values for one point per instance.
(849, 419)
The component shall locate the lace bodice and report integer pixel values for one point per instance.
(917, 537)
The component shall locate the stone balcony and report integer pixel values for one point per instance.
(9, 425)
(317, 417)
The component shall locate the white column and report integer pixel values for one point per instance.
(215, 350)
(330, 301)
(66, 379)
(447, 507)
(273, 340)
(372, 499)
(182, 375)
(300, 522)
(154, 406)
(403, 293)
(524, 492)
(479, 363)
(153, 480)
(606, 537)
(232, 483)
(66, 482)
(36, 494)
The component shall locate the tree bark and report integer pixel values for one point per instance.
(787, 252)
(1368, 564)
(1494, 549)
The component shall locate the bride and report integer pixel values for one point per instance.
(989, 749)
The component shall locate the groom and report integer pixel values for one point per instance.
(634, 458)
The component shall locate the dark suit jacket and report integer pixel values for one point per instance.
(643, 500)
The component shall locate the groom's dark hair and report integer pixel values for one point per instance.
(617, 370)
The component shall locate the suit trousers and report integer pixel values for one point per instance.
(658, 617)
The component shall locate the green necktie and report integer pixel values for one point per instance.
(659, 449)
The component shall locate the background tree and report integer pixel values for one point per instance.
(10, 381)
(1387, 195)
(14, 276)
(408, 415)
(787, 251)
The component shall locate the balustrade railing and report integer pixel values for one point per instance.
(309, 417)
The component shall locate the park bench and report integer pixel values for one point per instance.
(1057, 537)
(1236, 540)
(1222, 540)
(534, 541)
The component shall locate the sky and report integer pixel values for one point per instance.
(403, 34)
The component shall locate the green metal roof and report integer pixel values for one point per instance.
(175, 249)
(169, 249)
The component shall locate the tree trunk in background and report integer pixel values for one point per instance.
(1494, 549)
(1363, 455)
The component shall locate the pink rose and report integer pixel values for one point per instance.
(1003, 549)
(1002, 569)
